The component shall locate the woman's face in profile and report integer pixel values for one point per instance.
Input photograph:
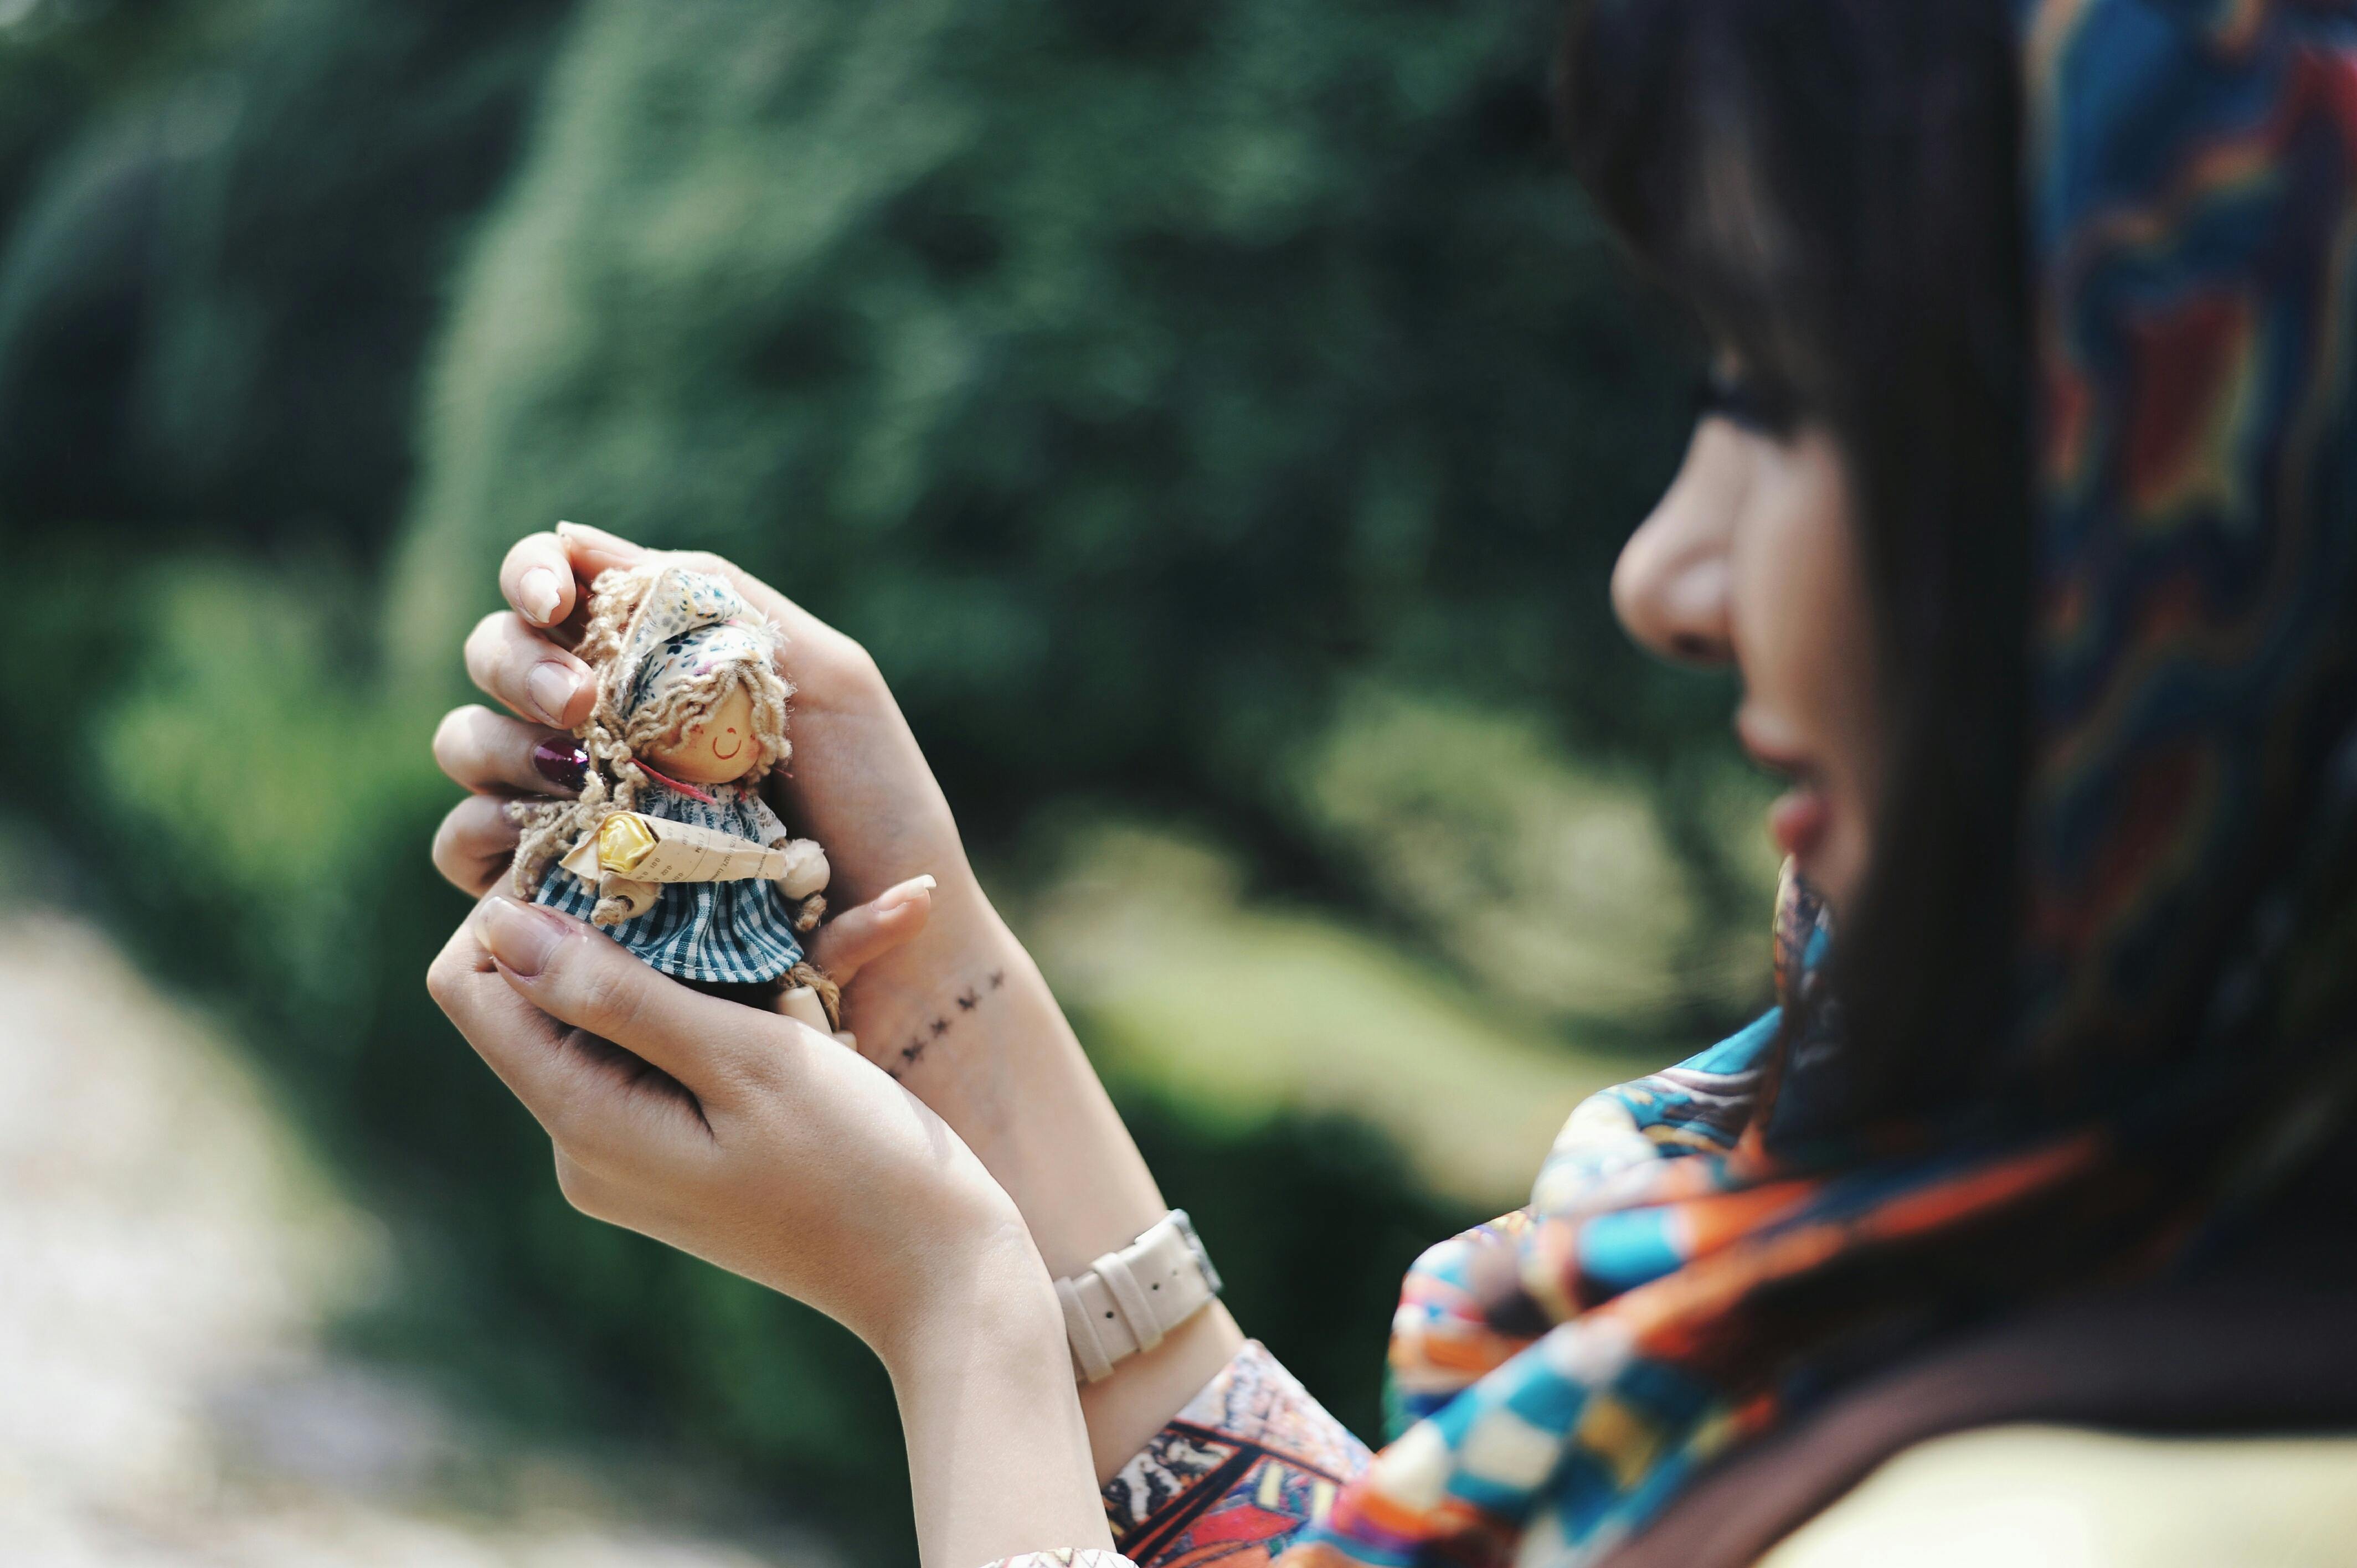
(1752, 558)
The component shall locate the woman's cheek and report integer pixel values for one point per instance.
(1775, 590)
(1804, 634)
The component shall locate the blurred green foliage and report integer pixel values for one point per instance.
(228, 236)
(1122, 377)
(1227, 412)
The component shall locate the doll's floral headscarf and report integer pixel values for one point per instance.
(690, 621)
(1685, 1279)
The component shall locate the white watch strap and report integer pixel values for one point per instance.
(1128, 1300)
(1065, 1557)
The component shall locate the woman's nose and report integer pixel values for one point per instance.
(1673, 584)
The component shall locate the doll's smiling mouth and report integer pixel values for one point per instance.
(729, 755)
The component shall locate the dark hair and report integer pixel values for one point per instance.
(1833, 187)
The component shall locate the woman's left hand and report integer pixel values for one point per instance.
(766, 1147)
(731, 1132)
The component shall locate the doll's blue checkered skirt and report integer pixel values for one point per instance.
(740, 932)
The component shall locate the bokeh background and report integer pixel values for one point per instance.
(1219, 420)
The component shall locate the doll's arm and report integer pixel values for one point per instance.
(806, 869)
(635, 897)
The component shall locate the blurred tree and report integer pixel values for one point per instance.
(1179, 400)
(234, 224)
(1123, 376)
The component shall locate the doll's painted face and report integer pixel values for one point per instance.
(718, 749)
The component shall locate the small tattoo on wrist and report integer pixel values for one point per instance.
(968, 1000)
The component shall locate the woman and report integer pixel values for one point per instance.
(2022, 501)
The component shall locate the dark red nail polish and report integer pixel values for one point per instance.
(561, 762)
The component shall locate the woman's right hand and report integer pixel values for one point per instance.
(959, 1014)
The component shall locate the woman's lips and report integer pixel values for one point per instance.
(1799, 818)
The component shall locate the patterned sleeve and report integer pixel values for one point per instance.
(1235, 1475)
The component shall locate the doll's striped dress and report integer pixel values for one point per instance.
(740, 932)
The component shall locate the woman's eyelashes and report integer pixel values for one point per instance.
(1747, 403)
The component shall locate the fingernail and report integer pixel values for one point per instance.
(892, 898)
(551, 686)
(612, 542)
(561, 762)
(539, 594)
(522, 939)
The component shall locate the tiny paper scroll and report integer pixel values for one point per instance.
(649, 849)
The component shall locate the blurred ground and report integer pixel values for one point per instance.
(173, 1262)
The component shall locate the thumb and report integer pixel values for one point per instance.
(861, 935)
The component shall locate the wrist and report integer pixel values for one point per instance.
(963, 1018)
(1147, 1390)
(998, 1455)
(986, 1286)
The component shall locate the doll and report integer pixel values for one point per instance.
(670, 846)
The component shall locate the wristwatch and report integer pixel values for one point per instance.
(1128, 1300)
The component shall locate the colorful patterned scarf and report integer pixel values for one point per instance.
(1683, 1278)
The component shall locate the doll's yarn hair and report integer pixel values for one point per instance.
(612, 740)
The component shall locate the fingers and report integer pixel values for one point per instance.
(544, 573)
(537, 579)
(485, 751)
(573, 972)
(596, 1100)
(519, 667)
(593, 550)
(861, 936)
(475, 843)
